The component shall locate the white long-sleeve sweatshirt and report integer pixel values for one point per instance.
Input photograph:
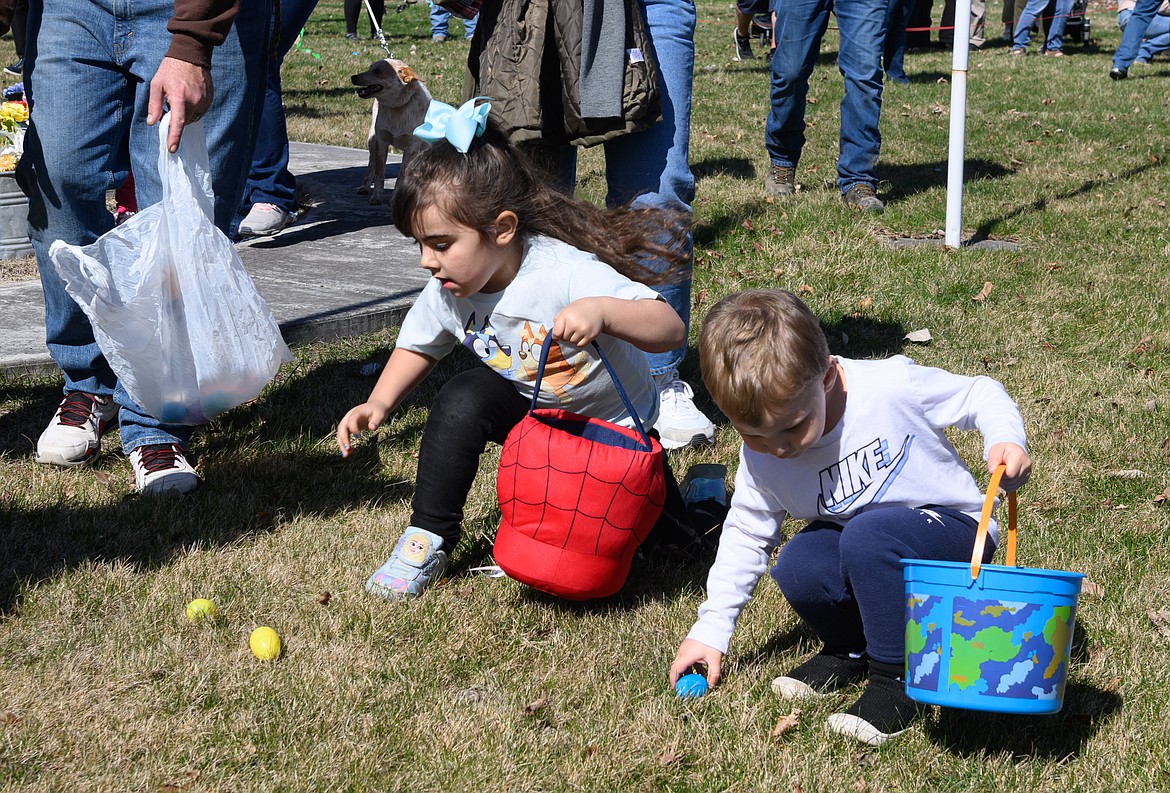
(888, 449)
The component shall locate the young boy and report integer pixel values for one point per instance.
(856, 448)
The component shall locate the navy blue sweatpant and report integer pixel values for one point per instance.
(845, 582)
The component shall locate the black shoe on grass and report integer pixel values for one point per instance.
(822, 673)
(883, 711)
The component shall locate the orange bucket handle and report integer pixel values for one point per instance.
(985, 519)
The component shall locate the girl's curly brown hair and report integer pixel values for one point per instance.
(494, 176)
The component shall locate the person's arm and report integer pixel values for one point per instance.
(977, 403)
(649, 325)
(183, 79)
(752, 529)
(403, 372)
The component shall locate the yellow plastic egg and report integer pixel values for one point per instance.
(265, 643)
(200, 609)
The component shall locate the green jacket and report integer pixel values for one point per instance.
(527, 58)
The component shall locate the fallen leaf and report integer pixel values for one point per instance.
(812, 100)
(985, 291)
(777, 272)
(786, 723)
(670, 758)
(102, 477)
(323, 597)
(797, 787)
(860, 787)
(1162, 497)
(747, 224)
(865, 303)
(1144, 345)
(1112, 686)
(805, 289)
(700, 297)
(1093, 589)
(1161, 620)
(1057, 434)
(9, 717)
(918, 336)
(532, 707)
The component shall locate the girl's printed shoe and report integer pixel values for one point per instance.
(417, 562)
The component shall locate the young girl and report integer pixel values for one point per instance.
(516, 265)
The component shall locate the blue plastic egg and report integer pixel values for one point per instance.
(691, 685)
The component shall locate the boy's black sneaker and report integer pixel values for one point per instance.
(883, 711)
(822, 673)
(743, 47)
(16, 69)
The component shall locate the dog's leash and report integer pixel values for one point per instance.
(377, 29)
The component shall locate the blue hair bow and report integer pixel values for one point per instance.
(459, 126)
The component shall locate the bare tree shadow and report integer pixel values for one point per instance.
(1040, 204)
(908, 180)
(241, 496)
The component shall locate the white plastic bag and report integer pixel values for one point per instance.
(172, 308)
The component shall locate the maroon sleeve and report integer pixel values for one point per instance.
(198, 26)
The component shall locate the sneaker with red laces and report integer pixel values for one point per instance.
(163, 468)
(74, 436)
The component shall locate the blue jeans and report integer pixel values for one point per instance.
(897, 16)
(88, 130)
(652, 168)
(800, 25)
(269, 180)
(1031, 13)
(1156, 38)
(441, 16)
(846, 583)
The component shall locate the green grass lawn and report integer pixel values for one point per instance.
(484, 685)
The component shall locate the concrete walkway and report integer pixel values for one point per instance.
(342, 269)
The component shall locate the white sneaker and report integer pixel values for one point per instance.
(162, 468)
(264, 220)
(74, 436)
(680, 423)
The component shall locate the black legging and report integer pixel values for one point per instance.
(20, 27)
(353, 9)
(472, 408)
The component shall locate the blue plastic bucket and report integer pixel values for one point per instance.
(999, 642)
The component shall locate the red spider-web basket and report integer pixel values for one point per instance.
(578, 495)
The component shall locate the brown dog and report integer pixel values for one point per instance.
(400, 104)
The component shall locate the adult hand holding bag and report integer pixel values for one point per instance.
(172, 307)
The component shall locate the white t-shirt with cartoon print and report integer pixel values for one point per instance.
(507, 329)
(888, 449)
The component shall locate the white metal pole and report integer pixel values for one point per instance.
(958, 138)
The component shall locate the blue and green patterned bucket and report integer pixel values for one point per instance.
(989, 637)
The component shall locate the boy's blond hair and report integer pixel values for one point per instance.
(760, 348)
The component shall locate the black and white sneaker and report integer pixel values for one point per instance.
(743, 47)
(882, 712)
(821, 674)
